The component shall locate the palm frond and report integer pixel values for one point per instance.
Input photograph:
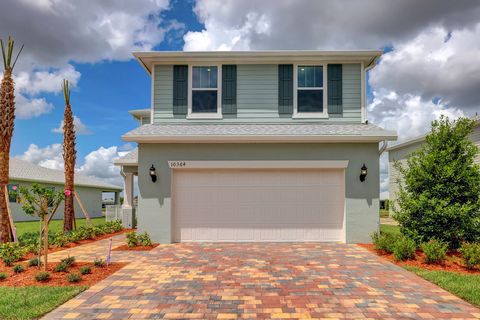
(8, 53)
(66, 91)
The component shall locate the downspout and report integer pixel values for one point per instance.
(383, 147)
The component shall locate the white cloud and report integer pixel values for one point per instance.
(27, 108)
(97, 164)
(48, 81)
(48, 157)
(80, 127)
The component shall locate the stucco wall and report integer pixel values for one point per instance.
(90, 197)
(362, 199)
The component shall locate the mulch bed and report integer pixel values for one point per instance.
(29, 256)
(137, 248)
(453, 263)
(27, 278)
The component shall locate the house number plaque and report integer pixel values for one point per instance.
(177, 164)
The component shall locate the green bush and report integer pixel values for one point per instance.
(42, 276)
(85, 270)
(132, 239)
(34, 262)
(69, 261)
(11, 252)
(98, 263)
(74, 277)
(60, 239)
(3, 276)
(61, 267)
(18, 268)
(470, 254)
(384, 241)
(439, 186)
(404, 249)
(144, 239)
(435, 251)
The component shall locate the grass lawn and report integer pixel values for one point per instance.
(33, 302)
(384, 213)
(465, 286)
(55, 225)
(389, 229)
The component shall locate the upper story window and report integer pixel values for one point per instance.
(205, 92)
(310, 97)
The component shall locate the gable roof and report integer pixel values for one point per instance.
(130, 158)
(148, 58)
(421, 138)
(260, 132)
(26, 171)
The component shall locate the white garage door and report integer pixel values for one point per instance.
(258, 205)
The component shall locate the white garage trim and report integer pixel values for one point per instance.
(306, 164)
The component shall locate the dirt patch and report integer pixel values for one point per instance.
(453, 263)
(27, 277)
(137, 248)
(29, 256)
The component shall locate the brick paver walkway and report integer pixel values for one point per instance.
(263, 281)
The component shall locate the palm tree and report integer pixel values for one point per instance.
(7, 117)
(69, 156)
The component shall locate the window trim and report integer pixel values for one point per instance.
(310, 115)
(205, 115)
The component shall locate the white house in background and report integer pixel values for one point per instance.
(24, 173)
(255, 146)
(401, 151)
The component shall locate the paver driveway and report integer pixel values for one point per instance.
(263, 281)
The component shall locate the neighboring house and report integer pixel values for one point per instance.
(401, 151)
(256, 146)
(24, 173)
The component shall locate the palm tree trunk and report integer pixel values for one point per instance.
(69, 156)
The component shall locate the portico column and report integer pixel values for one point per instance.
(128, 191)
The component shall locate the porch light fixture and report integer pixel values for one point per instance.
(363, 172)
(153, 173)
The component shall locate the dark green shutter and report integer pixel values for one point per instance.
(285, 88)
(229, 89)
(335, 103)
(180, 89)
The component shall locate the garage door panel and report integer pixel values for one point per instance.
(258, 205)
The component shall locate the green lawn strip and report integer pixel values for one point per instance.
(33, 302)
(54, 226)
(384, 213)
(465, 286)
(390, 228)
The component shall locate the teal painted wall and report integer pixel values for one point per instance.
(257, 95)
(362, 199)
(90, 197)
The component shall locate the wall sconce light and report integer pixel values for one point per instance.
(363, 172)
(153, 173)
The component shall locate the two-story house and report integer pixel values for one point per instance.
(256, 146)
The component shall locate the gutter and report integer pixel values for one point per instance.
(383, 147)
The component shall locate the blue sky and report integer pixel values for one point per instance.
(429, 68)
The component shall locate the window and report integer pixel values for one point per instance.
(13, 193)
(204, 89)
(310, 90)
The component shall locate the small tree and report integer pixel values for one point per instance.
(41, 202)
(439, 188)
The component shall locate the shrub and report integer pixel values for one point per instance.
(68, 261)
(384, 241)
(404, 249)
(74, 277)
(60, 239)
(42, 276)
(435, 251)
(61, 267)
(98, 263)
(132, 239)
(18, 268)
(74, 236)
(3, 276)
(144, 239)
(29, 239)
(439, 186)
(470, 254)
(85, 270)
(34, 262)
(11, 252)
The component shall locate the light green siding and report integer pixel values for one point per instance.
(257, 95)
(90, 197)
(145, 120)
(163, 93)
(154, 213)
